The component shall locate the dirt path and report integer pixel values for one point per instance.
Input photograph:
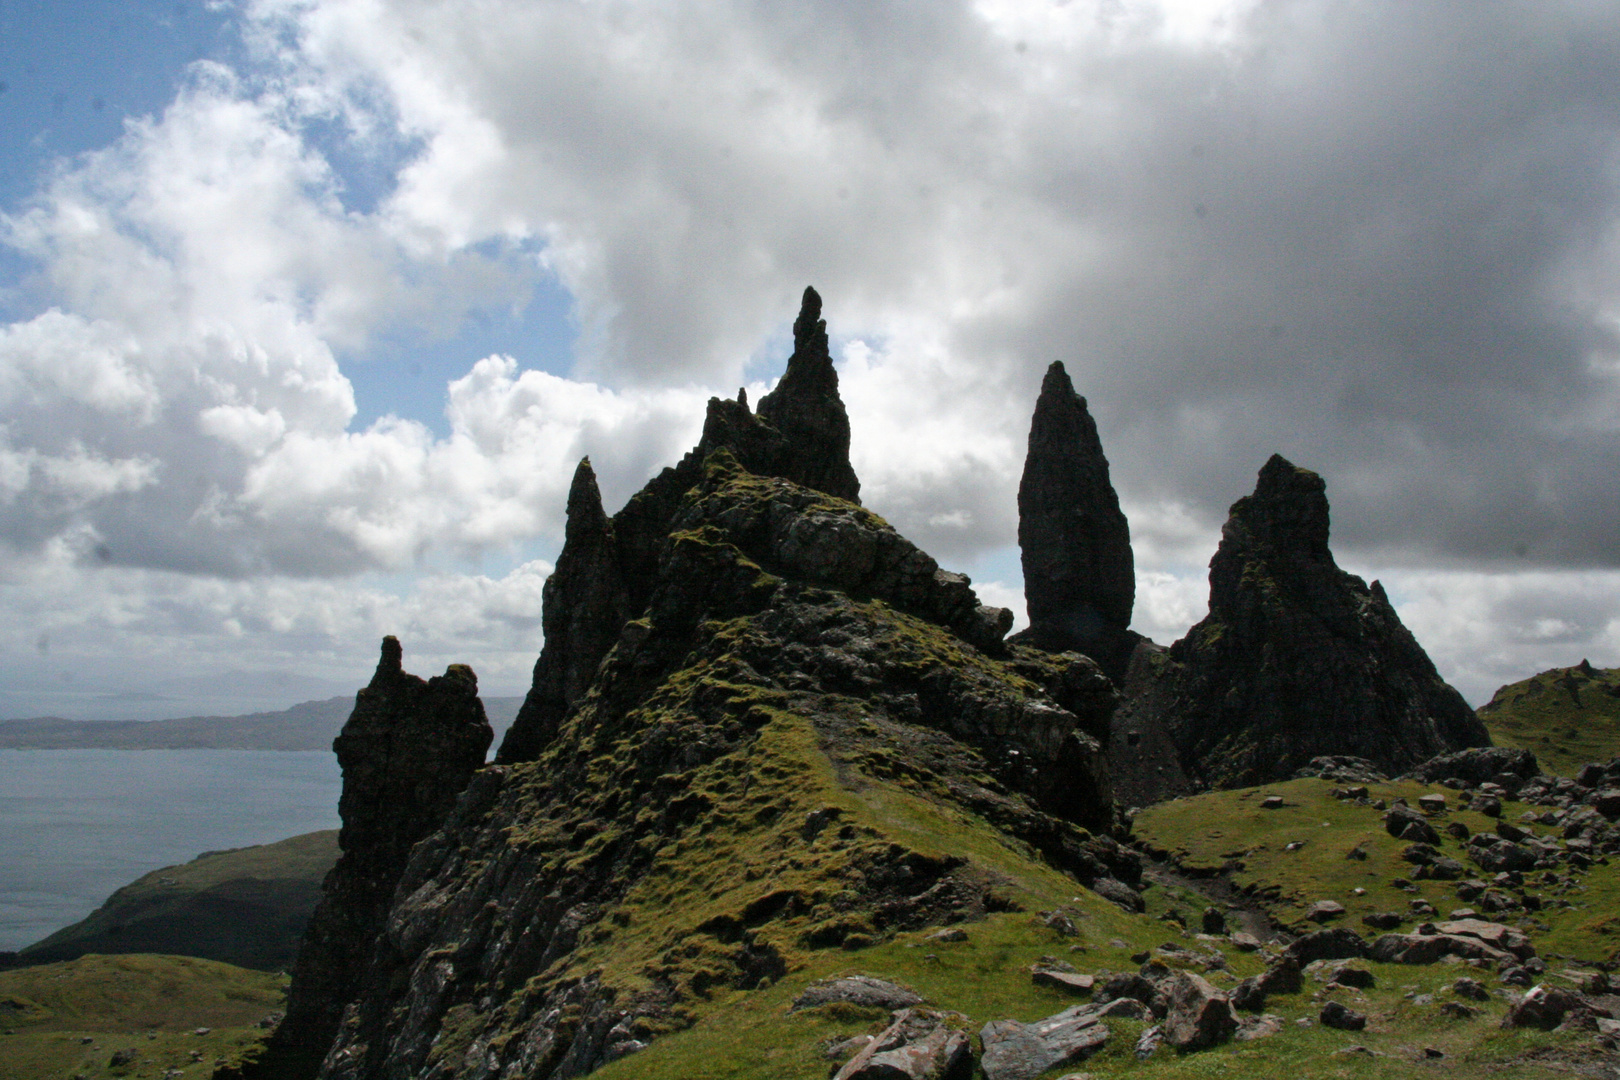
(1242, 913)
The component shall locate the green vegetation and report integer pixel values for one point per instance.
(1567, 716)
(246, 907)
(1229, 829)
(70, 1019)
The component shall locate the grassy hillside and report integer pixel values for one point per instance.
(69, 1019)
(246, 907)
(1568, 716)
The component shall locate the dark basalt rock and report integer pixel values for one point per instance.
(806, 409)
(1296, 659)
(1079, 574)
(583, 605)
(609, 568)
(766, 606)
(407, 752)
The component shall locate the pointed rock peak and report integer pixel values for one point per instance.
(1079, 573)
(584, 502)
(809, 329)
(1288, 510)
(1057, 390)
(742, 396)
(392, 662)
(806, 408)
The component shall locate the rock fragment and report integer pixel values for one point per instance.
(1017, 1051)
(921, 1044)
(1199, 1015)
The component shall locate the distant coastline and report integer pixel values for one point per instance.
(310, 725)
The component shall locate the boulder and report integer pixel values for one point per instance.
(1382, 920)
(1334, 943)
(1430, 948)
(859, 990)
(1069, 982)
(921, 1044)
(1543, 1007)
(1337, 1015)
(1017, 1051)
(1479, 764)
(1325, 911)
(1198, 1014)
(1496, 854)
(1405, 823)
(1493, 934)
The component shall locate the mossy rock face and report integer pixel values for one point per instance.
(793, 755)
(1297, 659)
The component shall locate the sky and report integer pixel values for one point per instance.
(308, 308)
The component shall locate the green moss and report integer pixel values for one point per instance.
(1566, 716)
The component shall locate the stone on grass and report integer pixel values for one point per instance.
(1338, 1015)
(1325, 910)
(1199, 1015)
(921, 1044)
(1334, 943)
(1017, 1051)
(1068, 981)
(860, 990)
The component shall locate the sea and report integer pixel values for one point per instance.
(77, 824)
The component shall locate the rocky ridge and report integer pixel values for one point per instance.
(745, 675)
(1296, 659)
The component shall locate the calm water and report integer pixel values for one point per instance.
(77, 824)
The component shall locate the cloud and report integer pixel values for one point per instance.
(1380, 240)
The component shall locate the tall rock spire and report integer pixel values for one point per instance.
(806, 409)
(583, 606)
(407, 751)
(1079, 574)
(1297, 659)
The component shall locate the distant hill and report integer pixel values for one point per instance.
(246, 907)
(1568, 716)
(311, 725)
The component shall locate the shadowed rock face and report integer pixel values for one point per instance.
(608, 568)
(806, 409)
(407, 752)
(1296, 659)
(1079, 574)
(582, 608)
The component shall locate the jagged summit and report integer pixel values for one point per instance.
(1296, 659)
(608, 567)
(806, 409)
(407, 751)
(1079, 573)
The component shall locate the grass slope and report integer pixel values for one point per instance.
(753, 1034)
(246, 907)
(69, 1019)
(1568, 716)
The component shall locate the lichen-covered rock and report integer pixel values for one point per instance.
(1479, 764)
(861, 990)
(1018, 1051)
(1296, 659)
(921, 1044)
(1079, 573)
(1199, 1015)
(407, 752)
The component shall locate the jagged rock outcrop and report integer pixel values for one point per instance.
(407, 752)
(583, 605)
(1079, 574)
(806, 409)
(801, 433)
(792, 649)
(1296, 658)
